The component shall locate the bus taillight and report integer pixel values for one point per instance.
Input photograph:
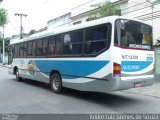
(116, 69)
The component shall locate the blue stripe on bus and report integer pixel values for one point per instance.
(81, 68)
(134, 66)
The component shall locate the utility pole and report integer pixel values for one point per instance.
(3, 47)
(21, 27)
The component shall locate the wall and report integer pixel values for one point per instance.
(81, 12)
(61, 21)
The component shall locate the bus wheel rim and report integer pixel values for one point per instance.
(55, 83)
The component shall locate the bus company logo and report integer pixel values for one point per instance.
(31, 67)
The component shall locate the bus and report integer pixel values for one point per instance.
(104, 55)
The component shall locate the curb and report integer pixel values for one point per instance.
(5, 66)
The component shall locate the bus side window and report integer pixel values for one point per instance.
(51, 46)
(45, 44)
(21, 49)
(29, 53)
(58, 48)
(25, 49)
(39, 48)
(96, 39)
(73, 43)
(34, 48)
(67, 46)
(77, 40)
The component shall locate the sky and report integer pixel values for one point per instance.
(38, 11)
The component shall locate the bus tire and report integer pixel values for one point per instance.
(18, 78)
(56, 83)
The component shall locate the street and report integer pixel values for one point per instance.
(32, 97)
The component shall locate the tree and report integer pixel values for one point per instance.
(7, 42)
(3, 17)
(32, 32)
(3, 22)
(104, 9)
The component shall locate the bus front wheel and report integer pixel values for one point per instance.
(56, 83)
(18, 78)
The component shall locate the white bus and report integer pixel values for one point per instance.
(104, 55)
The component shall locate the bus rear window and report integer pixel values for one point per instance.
(132, 34)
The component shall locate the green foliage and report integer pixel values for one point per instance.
(32, 32)
(7, 43)
(3, 17)
(103, 9)
(3, 22)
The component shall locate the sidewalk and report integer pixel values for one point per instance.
(153, 90)
(5, 65)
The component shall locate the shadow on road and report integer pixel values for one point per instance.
(115, 99)
(105, 99)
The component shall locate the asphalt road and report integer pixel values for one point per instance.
(32, 97)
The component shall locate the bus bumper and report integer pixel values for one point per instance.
(123, 83)
(117, 83)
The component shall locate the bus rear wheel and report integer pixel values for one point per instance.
(56, 83)
(18, 78)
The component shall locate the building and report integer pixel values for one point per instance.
(61, 21)
(80, 13)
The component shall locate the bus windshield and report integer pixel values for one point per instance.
(133, 34)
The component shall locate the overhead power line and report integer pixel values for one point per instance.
(13, 27)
